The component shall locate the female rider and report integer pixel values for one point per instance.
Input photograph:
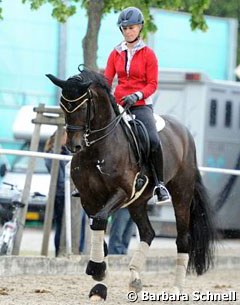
(136, 67)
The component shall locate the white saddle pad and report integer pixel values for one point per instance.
(160, 123)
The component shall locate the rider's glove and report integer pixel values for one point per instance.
(130, 100)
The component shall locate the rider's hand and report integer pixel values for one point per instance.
(130, 100)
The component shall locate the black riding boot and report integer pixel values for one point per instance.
(160, 189)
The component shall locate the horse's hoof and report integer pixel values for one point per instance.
(96, 298)
(96, 270)
(135, 285)
(175, 290)
(99, 278)
(98, 293)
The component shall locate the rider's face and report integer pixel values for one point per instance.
(131, 32)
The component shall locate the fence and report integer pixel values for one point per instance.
(67, 185)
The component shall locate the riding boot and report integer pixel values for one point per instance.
(160, 190)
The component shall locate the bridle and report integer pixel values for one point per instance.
(87, 97)
(73, 101)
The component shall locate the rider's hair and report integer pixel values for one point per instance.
(49, 144)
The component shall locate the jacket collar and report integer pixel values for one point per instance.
(123, 46)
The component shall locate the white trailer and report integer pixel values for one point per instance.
(211, 110)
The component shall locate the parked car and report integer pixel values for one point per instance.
(13, 176)
(13, 183)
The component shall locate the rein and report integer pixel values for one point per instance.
(87, 128)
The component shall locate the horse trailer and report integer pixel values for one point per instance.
(211, 111)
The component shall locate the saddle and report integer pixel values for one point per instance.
(138, 136)
(141, 140)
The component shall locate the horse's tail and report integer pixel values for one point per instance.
(202, 230)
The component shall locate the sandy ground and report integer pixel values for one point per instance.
(73, 290)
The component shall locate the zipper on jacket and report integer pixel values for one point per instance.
(126, 60)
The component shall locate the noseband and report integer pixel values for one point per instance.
(76, 100)
(87, 97)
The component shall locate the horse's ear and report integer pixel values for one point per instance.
(58, 82)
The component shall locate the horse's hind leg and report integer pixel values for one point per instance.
(181, 201)
(140, 217)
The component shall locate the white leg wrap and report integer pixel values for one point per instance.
(97, 249)
(138, 260)
(181, 269)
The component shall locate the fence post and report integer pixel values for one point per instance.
(49, 211)
(73, 224)
(67, 209)
(26, 191)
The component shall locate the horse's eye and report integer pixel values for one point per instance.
(84, 106)
(71, 105)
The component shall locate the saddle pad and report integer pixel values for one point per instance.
(160, 123)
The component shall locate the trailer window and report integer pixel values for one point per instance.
(228, 114)
(213, 113)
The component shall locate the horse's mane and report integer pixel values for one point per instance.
(100, 80)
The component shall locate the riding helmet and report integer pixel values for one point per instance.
(130, 16)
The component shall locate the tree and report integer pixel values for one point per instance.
(96, 9)
(230, 9)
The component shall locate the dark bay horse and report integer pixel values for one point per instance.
(104, 168)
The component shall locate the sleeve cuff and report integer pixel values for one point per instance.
(139, 94)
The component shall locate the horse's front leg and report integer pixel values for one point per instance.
(97, 266)
(146, 232)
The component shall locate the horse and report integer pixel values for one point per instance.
(104, 168)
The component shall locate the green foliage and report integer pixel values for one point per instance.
(63, 9)
(230, 9)
(197, 10)
(1, 16)
(223, 8)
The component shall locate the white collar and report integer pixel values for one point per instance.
(123, 46)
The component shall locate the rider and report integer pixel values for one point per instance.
(136, 67)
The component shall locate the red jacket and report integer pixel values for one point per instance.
(143, 73)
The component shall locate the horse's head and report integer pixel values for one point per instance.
(89, 108)
(75, 101)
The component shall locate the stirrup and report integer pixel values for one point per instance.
(75, 193)
(162, 194)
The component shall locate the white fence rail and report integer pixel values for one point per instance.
(68, 158)
(220, 170)
(28, 153)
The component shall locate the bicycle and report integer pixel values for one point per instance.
(10, 228)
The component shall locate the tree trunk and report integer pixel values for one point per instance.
(90, 41)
